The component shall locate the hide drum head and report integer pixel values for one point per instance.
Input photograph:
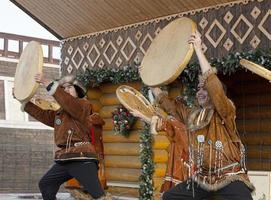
(257, 69)
(30, 63)
(168, 54)
(133, 100)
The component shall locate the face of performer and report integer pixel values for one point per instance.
(202, 96)
(69, 88)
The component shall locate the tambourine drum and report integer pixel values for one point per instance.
(133, 100)
(257, 69)
(30, 63)
(168, 54)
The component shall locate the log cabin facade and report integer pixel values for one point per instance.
(114, 35)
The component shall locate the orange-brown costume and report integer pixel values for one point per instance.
(216, 153)
(178, 153)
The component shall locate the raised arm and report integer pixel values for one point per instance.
(211, 82)
(195, 39)
(78, 108)
(46, 117)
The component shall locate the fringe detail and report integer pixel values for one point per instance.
(225, 182)
(191, 126)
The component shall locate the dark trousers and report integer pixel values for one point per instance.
(86, 172)
(234, 191)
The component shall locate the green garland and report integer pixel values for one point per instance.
(93, 78)
(189, 77)
(147, 165)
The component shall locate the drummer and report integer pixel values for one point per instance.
(216, 153)
(77, 157)
(178, 149)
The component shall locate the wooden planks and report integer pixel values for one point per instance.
(72, 18)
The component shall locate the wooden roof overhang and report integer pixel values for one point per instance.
(70, 18)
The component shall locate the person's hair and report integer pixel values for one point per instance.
(79, 88)
(80, 92)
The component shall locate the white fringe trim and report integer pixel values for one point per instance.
(225, 182)
(171, 179)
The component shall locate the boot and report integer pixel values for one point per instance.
(78, 194)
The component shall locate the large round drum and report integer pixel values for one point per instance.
(168, 54)
(30, 63)
(257, 69)
(133, 100)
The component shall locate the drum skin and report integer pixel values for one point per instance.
(257, 69)
(30, 63)
(133, 100)
(168, 54)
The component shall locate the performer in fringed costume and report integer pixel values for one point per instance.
(216, 154)
(77, 134)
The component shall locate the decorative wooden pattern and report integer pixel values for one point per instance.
(241, 27)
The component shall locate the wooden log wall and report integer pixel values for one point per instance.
(252, 97)
(122, 153)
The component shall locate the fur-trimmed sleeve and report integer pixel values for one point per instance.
(46, 117)
(79, 109)
(223, 105)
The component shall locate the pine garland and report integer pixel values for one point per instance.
(147, 165)
(93, 78)
(189, 77)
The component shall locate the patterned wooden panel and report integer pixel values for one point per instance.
(240, 27)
